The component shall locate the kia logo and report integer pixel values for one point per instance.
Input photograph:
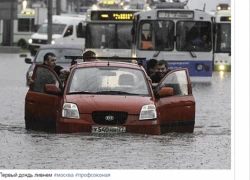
(109, 118)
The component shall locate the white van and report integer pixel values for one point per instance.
(64, 30)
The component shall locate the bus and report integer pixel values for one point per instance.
(108, 32)
(222, 40)
(23, 27)
(182, 37)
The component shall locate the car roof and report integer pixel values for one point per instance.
(109, 63)
(59, 46)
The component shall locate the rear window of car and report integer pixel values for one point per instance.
(109, 80)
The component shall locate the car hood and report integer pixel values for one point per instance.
(90, 103)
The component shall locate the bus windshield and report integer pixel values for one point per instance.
(156, 35)
(223, 37)
(113, 36)
(193, 36)
(56, 28)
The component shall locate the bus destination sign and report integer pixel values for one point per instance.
(112, 15)
(176, 14)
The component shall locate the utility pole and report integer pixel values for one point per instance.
(77, 6)
(58, 7)
(49, 28)
(8, 15)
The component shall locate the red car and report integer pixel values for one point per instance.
(109, 97)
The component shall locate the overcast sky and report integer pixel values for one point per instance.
(210, 4)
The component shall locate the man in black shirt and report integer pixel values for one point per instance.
(50, 60)
(161, 71)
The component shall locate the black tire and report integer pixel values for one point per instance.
(22, 43)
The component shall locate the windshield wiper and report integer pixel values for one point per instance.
(104, 92)
(156, 53)
(192, 54)
(115, 92)
(81, 92)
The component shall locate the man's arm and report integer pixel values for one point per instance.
(64, 71)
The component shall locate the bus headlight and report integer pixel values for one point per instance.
(148, 112)
(70, 110)
(199, 67)
(52, 42)
(222, 67)
(134, 55)
(30, 41)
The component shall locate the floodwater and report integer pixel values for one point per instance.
(209, 147)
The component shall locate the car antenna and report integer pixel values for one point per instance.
(108, 57)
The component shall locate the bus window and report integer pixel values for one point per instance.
(194, 36)
(146, 36)
(162, 38)
(23, 25)
(124, 38)
(164, 35)
(223, 38)
(69, 31)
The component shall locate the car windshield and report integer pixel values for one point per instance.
(108, 80)
(60, 53)
(56, 28)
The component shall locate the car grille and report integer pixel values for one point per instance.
(109, 117)
(39, 41)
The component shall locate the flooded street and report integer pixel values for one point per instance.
(209, 147)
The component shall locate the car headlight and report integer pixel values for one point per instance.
(148, 112)
(52, 42)
(70, 110)
(30, 41)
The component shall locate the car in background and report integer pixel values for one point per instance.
(109, 97)
(60, 50)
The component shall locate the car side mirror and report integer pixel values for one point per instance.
(165, 92)
(28, 60)
(52, 89)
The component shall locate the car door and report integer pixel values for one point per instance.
(177, 110)
(42, 109)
